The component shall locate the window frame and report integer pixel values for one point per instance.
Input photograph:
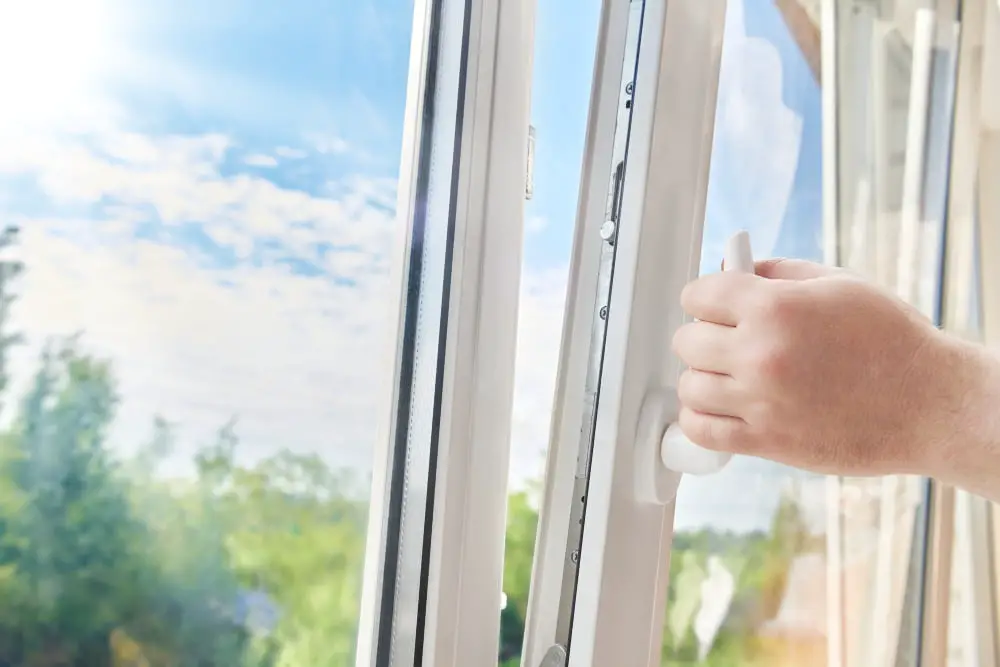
(623, 564)
(567, 416)
(431, 591)
(829, 79)
(956, 514)
(988, 215)
(935, 28)
(989, 175)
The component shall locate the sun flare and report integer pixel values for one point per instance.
(52, 53)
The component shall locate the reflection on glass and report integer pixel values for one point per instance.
(565, 44)
(781, 536)
(748, 570)
(204, 197)
(895, 96)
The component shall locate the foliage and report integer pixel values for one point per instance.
(110, 561)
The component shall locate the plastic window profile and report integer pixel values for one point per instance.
(988, 216)
(457, 267)
(620, 601)
(568, 407)
(950, 515)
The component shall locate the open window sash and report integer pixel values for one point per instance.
(599, 587)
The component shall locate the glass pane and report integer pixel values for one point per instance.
(966, 594)
(895, 97)
(205, 197)
(971, 612)
(751, 570)
(748, 570)
(565, 44)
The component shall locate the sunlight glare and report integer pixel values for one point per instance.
(51, 55)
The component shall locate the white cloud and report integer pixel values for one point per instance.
(756, 145)
(179, 178)
(299, 358)
(290, 153)
(535, 224)
(543, 295)
(330, 145)
(295, 357)
(260, 160)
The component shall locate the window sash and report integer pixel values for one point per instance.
(618, 610)
(433, 563)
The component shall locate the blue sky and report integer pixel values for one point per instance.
(209, 195)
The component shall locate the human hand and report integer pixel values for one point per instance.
(813, 367)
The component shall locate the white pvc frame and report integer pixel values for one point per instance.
(554, 514)
(439, 488)
(988, 215)
(841, 248)
(830, 77)
(989, 176)
(624, 560)
(960, 525)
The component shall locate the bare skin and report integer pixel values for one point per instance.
(818, 369)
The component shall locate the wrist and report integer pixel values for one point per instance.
(964, 444)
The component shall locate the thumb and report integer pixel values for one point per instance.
(793, 269)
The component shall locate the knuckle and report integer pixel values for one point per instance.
(711, 432)
(687, 387)
(696, 428)
(777, 306)
(770, 360)
(700, 291)
(688, 295)
(682, 340)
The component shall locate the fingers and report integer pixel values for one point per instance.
(726, 434)
(724, 298)
(718, 297)
(792, 269)
(710, 393)
(706, 346)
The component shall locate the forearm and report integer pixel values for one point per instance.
(970, 457)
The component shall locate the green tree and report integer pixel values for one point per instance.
(79, 568)
(519, 550)
(10, 270)
(294, 540)
(70, 541)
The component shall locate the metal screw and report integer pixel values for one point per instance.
(574, 557)
(629, 87)
(604, 312)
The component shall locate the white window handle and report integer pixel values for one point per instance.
(663, 453)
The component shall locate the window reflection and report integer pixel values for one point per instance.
(748, 570)
(204, 197)
(755, 566)
(895, 100)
